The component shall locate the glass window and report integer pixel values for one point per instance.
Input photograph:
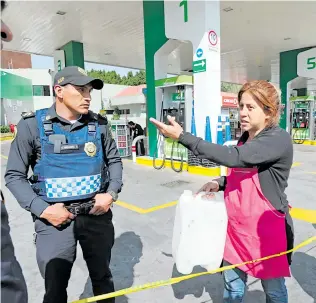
(41, 90)
(125, 112)
(46, 90)
(37, 90)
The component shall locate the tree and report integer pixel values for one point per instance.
(111, 77)
(131, 79)
(230, 87)
(116, 114)
(141, 77)
(124, 80)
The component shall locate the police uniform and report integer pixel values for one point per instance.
(71, 163)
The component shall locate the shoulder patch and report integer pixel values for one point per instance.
(28, 115)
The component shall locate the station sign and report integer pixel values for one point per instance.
(306, 64)
(228, 101)
(199, 66)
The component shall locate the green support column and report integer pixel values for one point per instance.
(288, 72)
(74, 55)
(155, 38)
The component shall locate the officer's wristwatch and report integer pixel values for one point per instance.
(113, 194)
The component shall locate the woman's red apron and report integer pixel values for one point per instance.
(255, 228)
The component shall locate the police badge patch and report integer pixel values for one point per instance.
(90, 149)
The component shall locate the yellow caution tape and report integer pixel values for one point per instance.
(186, 277)
(307, 215)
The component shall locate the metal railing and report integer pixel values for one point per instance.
(134, 146)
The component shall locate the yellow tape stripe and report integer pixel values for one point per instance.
(186, 277)
(307, 215)
(4, 157)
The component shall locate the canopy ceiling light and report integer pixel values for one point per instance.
(228, 9)
(61, 13)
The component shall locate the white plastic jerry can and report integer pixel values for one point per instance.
(199, 231)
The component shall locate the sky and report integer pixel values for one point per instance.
(44, 62)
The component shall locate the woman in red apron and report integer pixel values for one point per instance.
(259, 223)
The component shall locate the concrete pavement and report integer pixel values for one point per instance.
(142, 251)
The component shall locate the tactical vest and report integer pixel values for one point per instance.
(72, 164)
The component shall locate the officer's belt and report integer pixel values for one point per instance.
(80, 208)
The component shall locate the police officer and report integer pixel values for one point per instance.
(77, 175)
(13, 286)
(135, 131)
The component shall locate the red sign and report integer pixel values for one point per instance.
(229, 101)
(212, 38)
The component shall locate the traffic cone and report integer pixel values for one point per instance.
(220, 139)
(193, 127)
(208, 134)
(228, 135)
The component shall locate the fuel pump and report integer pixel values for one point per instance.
(314, 123)
(160, 138)
(174, 98)
(171, 111)
(300, 119)
(179, 115)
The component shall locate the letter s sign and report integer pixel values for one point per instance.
(311, 63)
(306, 63)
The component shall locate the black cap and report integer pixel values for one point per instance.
(77, 76)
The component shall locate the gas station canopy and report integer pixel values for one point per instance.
(252, 33)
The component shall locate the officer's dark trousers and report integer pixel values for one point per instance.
(140, 148)
(56, 253)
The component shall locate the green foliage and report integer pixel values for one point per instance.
(111, 77)
(116, 114)
(230, 87)
(131, 79)
(4, 129)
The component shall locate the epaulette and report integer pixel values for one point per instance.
(95, 116)
(28, 115)
(102, 118)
